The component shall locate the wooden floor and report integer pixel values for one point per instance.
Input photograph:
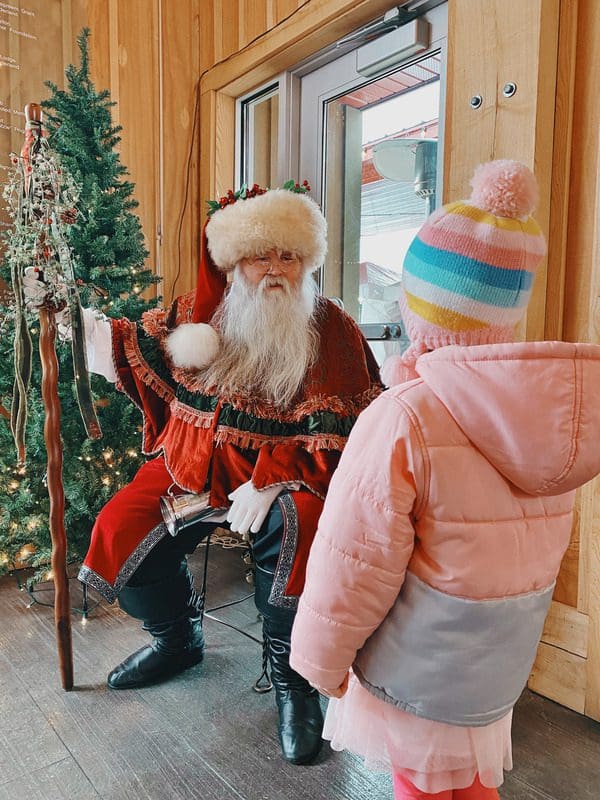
(206, 735)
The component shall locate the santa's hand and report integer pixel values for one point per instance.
(250, 507)
(64, 328)
(35, 290)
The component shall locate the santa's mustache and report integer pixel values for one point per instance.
(270, 280)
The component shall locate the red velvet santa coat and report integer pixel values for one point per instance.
(207, 440)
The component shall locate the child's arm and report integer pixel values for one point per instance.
(364, 542)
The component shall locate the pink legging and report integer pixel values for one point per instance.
(405, 790)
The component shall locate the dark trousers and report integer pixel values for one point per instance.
(165, 568)
(161, 593)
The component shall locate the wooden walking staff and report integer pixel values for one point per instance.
(49, 361)
(62, 602)
(42, 201)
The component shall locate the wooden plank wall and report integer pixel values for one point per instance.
(231, 25)
(150, 54)
(182, 205)
(582, 300)
(124, 53)
(503, 127)
(568, 668)
(36, 43)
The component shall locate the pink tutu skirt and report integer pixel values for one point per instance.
(433, 755)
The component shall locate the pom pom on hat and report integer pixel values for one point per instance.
(468, 273)
(505, 188)
(193, 345)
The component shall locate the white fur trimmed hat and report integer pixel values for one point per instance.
(278, 219)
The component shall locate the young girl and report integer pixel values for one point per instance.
(446, 521)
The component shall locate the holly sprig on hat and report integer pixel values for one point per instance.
(292, 186)
(245, 192)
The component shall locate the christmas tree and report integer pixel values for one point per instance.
(108, 254)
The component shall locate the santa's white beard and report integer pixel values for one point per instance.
(268, 338)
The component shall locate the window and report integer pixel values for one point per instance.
(259, 124)
(375, 161)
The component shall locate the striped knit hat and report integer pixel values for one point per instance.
(469, 272)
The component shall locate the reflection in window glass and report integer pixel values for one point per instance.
(260, 129)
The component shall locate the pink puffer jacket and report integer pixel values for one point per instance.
(445, 525)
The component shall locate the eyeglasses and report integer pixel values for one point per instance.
(283, 261)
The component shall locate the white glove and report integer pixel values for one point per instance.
(251, 506)
(35, 292)
(98, 344)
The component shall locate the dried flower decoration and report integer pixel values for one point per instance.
(245, 192)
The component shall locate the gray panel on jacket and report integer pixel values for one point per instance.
(450, 659)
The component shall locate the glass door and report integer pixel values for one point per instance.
(374, 160)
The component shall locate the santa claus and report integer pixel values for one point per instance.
(249, 388)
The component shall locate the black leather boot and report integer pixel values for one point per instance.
(300, 715)
(176, 645)
(169, 611)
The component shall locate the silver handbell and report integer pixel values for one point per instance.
(185, 509)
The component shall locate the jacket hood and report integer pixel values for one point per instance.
(531, 408)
